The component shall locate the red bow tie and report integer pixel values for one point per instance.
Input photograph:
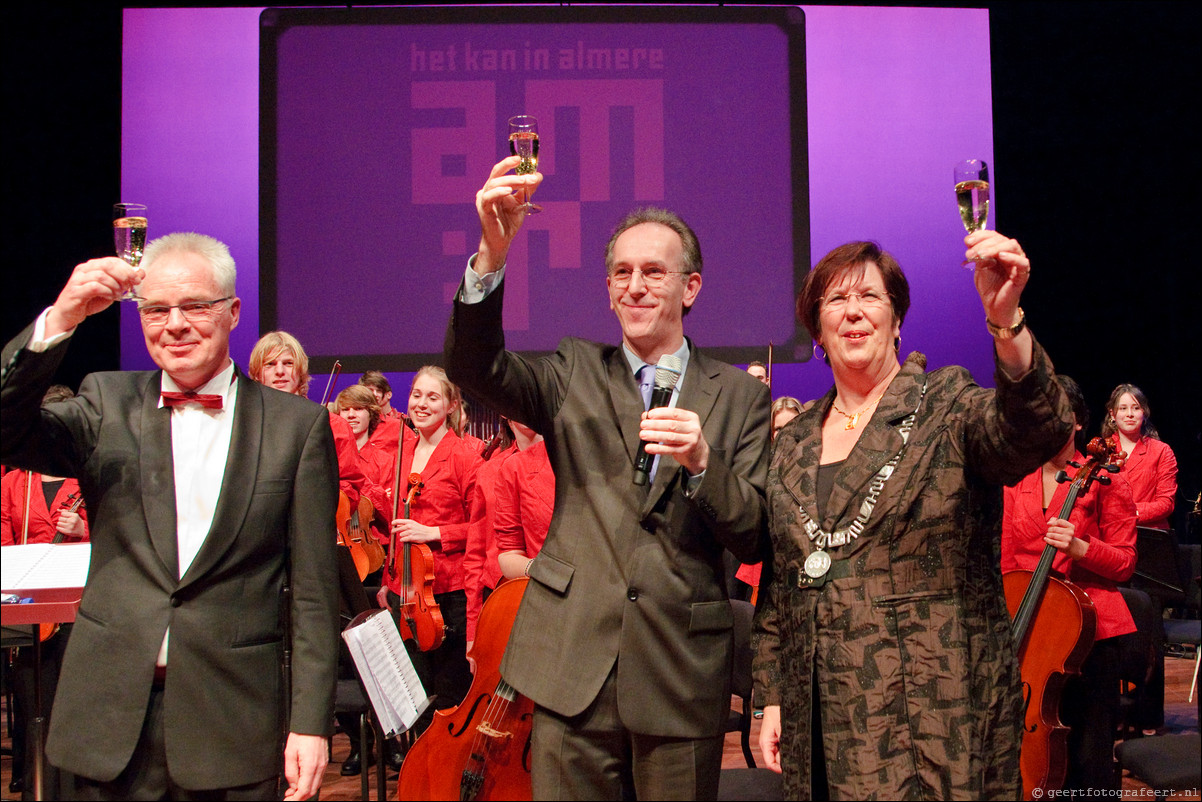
(204, 399)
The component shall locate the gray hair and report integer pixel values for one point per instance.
(213, 251)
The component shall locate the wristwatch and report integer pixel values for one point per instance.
(1009, 332)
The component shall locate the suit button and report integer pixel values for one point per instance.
(632, 594)
(176, 601)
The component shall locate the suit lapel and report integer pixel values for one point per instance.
(238, 482)
(158, 475)
(626, 401)
(876, 446)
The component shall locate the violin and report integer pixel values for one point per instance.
(420, 618)
(334, 373)
(366, 551)
(1053, 623)
(479, 750)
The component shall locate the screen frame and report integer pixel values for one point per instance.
(274, 22)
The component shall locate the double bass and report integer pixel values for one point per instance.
(1053, 624)
(479, 750)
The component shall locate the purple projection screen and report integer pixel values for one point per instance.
(894, 98)
(378, 127)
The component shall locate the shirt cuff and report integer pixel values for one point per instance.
(38, 342)
(476, 287)
(691, 483)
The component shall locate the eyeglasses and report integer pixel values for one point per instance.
(653, 276)
(869, 299)
(193, 311)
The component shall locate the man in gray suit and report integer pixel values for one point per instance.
(624, 637)
(208, 493)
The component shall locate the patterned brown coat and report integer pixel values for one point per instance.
(917, 679)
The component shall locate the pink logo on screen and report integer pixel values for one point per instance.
(471, 150)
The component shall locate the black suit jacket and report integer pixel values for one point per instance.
(225, 711)
(627, 573)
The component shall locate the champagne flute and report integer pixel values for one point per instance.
(129, 235)
(523, 142)
(972, 196)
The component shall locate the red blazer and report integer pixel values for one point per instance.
(525, 501)
(480, 568)
(1104, 517)
(448, 483)
(43, 522)
(1151, 470)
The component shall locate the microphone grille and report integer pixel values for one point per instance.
(667, 371)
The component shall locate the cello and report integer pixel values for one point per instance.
(420, 618)
(1053, 625)
(479, 750)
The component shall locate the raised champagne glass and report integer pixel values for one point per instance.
(129, 235)
(523, 142)
(972, 195)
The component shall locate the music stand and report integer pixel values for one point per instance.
(1157, 563)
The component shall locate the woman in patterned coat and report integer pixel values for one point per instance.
(883, 651)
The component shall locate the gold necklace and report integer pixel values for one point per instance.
(854, 419)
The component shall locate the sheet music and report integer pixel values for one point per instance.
(387, 673)
(37, 566)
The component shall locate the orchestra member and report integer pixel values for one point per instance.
(439, 516)
(525, 502)
(624, 636)
(784, 409)
(1151, 470)
(35, 508)
(278, 360)
(759, 371)
(882, 644)
(198, 511)
(1096, 548)
(1151, 466)
(375, 381)
(481, 571)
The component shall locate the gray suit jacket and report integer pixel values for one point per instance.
(627, 573)
(225, 710)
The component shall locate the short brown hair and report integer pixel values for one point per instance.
(359, 397)
(835, 265)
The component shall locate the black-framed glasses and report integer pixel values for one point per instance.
(193, 311)
(653, 276)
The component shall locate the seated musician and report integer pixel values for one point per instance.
(1097, 551)
(36, 508)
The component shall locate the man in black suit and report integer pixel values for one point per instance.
(624, 637)
(208, 494)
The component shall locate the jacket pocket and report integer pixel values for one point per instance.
(713, 616)
(555, 574)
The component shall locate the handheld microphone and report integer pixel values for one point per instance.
(667, 373)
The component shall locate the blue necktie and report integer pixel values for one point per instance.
(646, 377)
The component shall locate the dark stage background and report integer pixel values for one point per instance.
(1093, 125)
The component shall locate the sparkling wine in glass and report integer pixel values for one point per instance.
(972, 193)
(523, 142)
(129, 235)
